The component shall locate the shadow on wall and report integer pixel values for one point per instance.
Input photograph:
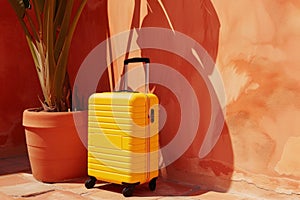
(183, 77)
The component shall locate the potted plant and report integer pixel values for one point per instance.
(55, 150)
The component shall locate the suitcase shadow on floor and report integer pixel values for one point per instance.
(163, 188)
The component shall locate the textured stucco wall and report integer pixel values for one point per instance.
(259, 60)
(18, 83)
(255, 46)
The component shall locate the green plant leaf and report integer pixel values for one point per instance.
(59, 14)
(33, 28)
(64, 27)
(19, 7)
(38, 6)
(47, 38)
(49, 34)
(63, 57)
(38, 64)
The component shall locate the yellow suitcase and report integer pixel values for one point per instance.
(123, 139)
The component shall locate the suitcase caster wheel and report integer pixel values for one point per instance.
(128, 191)
(152, 184)
(90, 183)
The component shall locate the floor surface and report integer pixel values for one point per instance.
(17, 183)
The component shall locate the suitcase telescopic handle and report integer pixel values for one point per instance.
(137, 60)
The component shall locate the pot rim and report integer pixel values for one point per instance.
(34, 118)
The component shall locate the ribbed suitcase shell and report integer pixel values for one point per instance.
(123, 137)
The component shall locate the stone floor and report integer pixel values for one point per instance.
(17, 183)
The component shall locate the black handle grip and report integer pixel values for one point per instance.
(135, 60)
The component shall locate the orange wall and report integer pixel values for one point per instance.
(200, 23)
(256, 51)
(18, 83)
(259, 60)
(18, 80)
(255, 47)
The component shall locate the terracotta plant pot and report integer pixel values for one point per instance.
(55, 150)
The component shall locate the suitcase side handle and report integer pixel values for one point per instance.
(136, 60)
